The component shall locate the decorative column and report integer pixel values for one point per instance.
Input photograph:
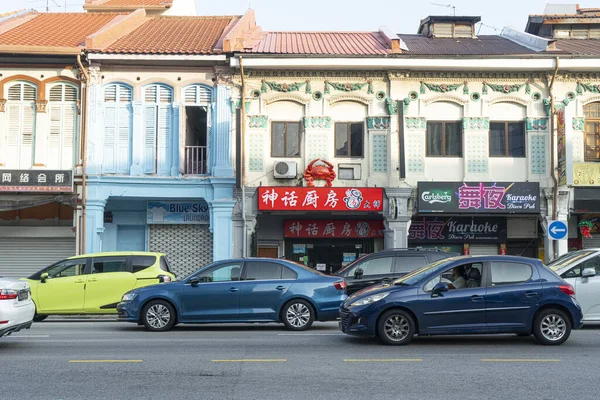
(221, 227)
(397, 218)
(95, 133)
(94, 225)
(2, 123)
(476, 147)
(257, 130)
(538, 145)
(578, 139)
(222, 165)
(137, 139)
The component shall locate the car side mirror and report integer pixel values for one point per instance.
(194, 281)
(43, 277)
(588, 272)
(439, 288)
(358, 273)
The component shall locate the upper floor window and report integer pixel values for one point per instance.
(19, 134)
(63, 125)
(157, 129)
(507, 139)
(198, 122)
(349, 139)
(285, 139)
(444, 139)
(117, 128)
(592, 131)
(197, 94)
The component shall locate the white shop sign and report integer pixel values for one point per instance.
(178, 212)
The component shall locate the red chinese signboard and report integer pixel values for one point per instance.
(319, 199)
(333, 229)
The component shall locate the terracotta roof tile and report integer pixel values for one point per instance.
(173, 35)
(134, 3)
(56, 29)
(326, 43)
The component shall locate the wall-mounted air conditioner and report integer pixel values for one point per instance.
(285, 169)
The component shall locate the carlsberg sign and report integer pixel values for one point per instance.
(436, 196)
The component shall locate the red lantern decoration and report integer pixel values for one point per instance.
(585, 227)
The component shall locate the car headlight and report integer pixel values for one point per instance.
(128, 296)
(369, 299)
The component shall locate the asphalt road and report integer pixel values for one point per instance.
(112, 360)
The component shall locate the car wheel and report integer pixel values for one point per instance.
(158, 316)
(298, 315)
(39, 318)
(552, 327)
(396, 327)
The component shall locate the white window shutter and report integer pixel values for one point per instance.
(13, 135)
(55, 139)
(28, 129)
(68, 135)
(123, 140)
(149, 139)
(164, 139)
(110, 139)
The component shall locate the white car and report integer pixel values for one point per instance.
(16, 307)
(581, 269)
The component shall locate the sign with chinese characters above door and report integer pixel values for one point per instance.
(319, 199)
(295, 228)
(28, 180)
(457, 229)
(479, 197)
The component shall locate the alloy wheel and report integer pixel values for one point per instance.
(298, 315)
(553, 327)
(396, 328)
(158, 316)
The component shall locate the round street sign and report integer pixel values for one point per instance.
(557, 230)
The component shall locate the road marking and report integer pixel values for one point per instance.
(523, 360)
(383, 359)
(311, 334)
(252, 360)
(28, 336)
(106, 361)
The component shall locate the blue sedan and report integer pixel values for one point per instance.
(242, 290)
(467, 295)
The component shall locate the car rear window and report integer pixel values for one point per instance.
(410, 263)
(508, 273)
(164, 264)
(140, 263)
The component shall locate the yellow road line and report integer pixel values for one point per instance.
(524, 360)
(253, 360)
(383, 360)
(106, 361)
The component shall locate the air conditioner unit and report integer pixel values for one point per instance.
(285, 169)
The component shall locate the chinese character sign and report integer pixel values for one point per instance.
(457, 229)
(36, 181)
(333, 229)
(320, 199)
(482, 197)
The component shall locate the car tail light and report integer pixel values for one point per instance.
(3, 322)
(567, 289)
(6, 294)
(341, 285)
(164, 278)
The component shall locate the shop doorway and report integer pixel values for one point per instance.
(327, 255)
(268, 252)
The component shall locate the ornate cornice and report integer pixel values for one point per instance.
(349, 97)
(258, 121)
(40, 105)
(224, 75)
(289, 97)
(447, 97)
(463, 76)
(476, 123)
(537, 123)
(509, 99)
(324, 75)
(378, 123)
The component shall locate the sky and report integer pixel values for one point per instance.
(400, 16)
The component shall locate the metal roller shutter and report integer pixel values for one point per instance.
(188, 247)
(593, 242)
(21, 257)
(484, 249)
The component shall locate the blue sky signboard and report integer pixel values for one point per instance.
(178, 212)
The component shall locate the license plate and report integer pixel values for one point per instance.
(23, 295)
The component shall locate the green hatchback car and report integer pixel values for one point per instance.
(94, 283)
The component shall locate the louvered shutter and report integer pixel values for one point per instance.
(68, 135)
(124, 133)
(149, 139)
(54, 140)
(26, 159)
(164, 139)
(13, 136)
(110, 138)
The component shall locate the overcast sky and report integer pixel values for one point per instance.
(401, 16)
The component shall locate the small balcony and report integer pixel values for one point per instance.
(195, 160)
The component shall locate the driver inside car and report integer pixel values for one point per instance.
(458, 278)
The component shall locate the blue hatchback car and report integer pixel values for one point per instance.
(240, 290)
(467, 295)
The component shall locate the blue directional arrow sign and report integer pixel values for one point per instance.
(557, 230)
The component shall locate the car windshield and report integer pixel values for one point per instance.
(418, 274)
(568, 259)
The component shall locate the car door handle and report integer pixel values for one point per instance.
(233, 289)
(476, 297)
(92, 280)
(80, 281)
(280, 287)
(530, 294)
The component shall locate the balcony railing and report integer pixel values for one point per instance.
(195, 160)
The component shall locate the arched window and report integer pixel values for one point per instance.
(117, 128)
(592, 131)
(197, 94)
(157, 129)
(21, 125)
(198, 123)
(63, 126)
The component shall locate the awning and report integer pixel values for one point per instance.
(11, 202)
(587, 200)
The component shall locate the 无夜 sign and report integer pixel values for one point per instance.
(457, 229)
(178, 212)
(479, 197)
